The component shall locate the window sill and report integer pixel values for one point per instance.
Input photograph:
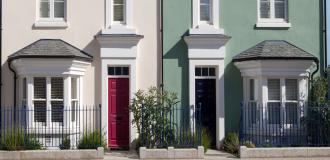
(273, 25)
(209, 29)
(51, 24)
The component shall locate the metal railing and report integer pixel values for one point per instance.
(175, 126)
(51, 128)
(285, 124)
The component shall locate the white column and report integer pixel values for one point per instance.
(48, 102)
(66, 100)
(29, 103)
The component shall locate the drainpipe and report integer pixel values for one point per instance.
(0, 60)
(15, 81)
(324, 36)
(162, 42)
(312, 77)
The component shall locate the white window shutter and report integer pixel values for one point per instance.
(274, 89)
(264, 8)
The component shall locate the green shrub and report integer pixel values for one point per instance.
(66, 144)
(15, 139)
(231, 143)
(92, 141)
(206, 139)
(249, 144)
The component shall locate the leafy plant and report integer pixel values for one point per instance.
(66, 144)
(319, 90)
(92, 141)
(150, 110)
(206, 140)
(231, 143)
(249, 144)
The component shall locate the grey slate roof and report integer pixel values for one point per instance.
(274, 49)
(51, 48)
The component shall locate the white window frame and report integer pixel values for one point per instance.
(67, 101)
(272, 21)
(51, 22)
(214, 17)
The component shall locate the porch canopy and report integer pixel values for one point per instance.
(272, 70)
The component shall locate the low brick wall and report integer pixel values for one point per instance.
(172, 153)
(53, 154)
(292, 152)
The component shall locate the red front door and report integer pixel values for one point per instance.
(118, 99)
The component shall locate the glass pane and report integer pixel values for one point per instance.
(118, 13)
(39, 88)
(211, 71)
(57, 88)
(205, 72)
(205, 12)
(198, 71)
(59, 9)
(40, 111)
(291, 89)
(252, 98)
(118, 71)
(118, 2)
(57, 111)
(273, 89)
(279, 9)
(291, 114)
(111, 71)
(44, 9)
(74, 88)
(125, 71)
(274, 112)
(264, 8)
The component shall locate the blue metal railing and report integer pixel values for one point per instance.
(51, 127)
(285, 124)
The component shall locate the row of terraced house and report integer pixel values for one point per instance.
(235, 57)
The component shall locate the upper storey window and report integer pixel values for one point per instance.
(119, 11)
(205, 11)
(273, 13)
(52, 9)
(51, 13)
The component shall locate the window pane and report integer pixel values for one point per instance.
(57, 88)
(57, 111)
(125, 71)
(198, 71)
(274, 89)
(59, 9)
(111, 71)
(274, 112)
(291, 89)
(39, 88)
(118, 10)
(205, 10)
(252, 98)
(117, 70)
(291, 114)
(74, 88)
(279, 9)
(264, 8)
(40, 111)
(44, 9)
(205, 72)
(211, 71)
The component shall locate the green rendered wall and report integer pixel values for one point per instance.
(238, 19)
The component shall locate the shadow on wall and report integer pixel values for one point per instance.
(179, 52)
(233, 97)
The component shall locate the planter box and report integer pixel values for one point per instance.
(53, 154)
(292, 152)
(172, 153)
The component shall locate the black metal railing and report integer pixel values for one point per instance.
(64, 127)
(175, 126)
(285, 124)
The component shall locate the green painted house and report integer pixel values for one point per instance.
(226, 55)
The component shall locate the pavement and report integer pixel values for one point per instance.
(209, 155)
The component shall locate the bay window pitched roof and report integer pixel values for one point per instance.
(51, 48)
(274, 50)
